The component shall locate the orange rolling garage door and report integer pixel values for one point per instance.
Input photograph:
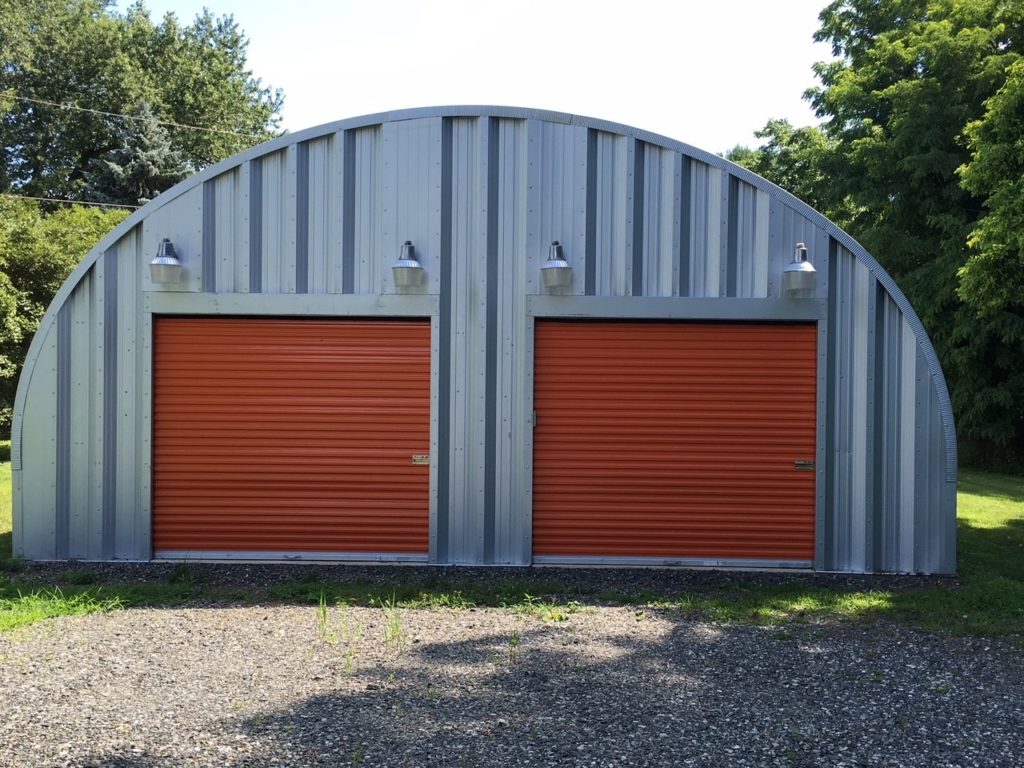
(291, 435)
(674, 440)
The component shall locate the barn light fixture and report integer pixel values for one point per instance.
(166, 269)
(798, 277)
(556, 272)
(407, 270)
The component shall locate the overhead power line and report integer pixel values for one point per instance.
(69, 202)
(76, 108)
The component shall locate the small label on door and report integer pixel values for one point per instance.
(805, 464)
(421, 458)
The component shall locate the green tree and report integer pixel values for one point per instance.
(84, 53)
(140, 168)
(992, 280)
(795, 159)
(908, 78)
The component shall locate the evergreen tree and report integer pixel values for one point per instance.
(140, 168)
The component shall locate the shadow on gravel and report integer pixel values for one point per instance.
(674, 692)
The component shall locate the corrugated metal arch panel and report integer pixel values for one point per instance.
(556, 196)
(411, 206)
(323, 216)
(708, 184)
(661, 218)
(35, 437)
(230, 235)
(750, 218)
(90, 395)
(277, 218)
(469, 370)
(611, 230)
(366, 250)
(507, 527)
(242, 218)
(889, 500)
(849, 463)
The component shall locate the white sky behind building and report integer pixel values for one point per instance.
(703, 72)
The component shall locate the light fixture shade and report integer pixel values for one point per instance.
(556, 272)
(166, 269)
(408, 271)
(798, 277)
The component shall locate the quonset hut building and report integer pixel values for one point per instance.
(484, 335)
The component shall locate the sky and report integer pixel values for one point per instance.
(705, 72)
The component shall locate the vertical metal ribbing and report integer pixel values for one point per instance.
(444, 378)
(209, 254)
(685, 227)
(348, 213)
(110, 361)
(882, 512)
(256, 226)
(732, 239)
(590, 248)
(62, 521)
(302, 217)
(829, 525)
(493, 342)
(873, 514)
(923, 501)
(639, 167)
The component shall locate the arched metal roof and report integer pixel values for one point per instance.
(841, 246)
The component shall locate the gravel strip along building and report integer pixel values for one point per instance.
(478, 335)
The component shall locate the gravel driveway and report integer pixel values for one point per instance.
(606, 686)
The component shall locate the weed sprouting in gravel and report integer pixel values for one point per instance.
(351, 636)
(358, 755)
(547, 610)
(394, 632)
(323, 622)
(514, 641)
(345, 629)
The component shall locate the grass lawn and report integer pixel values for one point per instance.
(988, 600)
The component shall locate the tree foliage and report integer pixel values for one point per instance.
(140, 168)
(920, 159)
(83, 53)
(796, 159)
(992, 280)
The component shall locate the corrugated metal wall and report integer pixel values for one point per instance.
(310, 224)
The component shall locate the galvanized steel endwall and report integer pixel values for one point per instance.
(309, 224)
